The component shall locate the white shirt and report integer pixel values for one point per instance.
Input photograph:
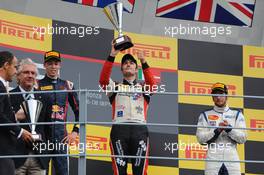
(6, 85)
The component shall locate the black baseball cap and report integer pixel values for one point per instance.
(128, 57)
(52, 55)
(219, 88)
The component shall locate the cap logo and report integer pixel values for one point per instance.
(53, 54)
(218, 85)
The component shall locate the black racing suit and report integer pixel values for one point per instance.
(60, 102)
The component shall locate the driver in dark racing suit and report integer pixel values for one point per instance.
(60, 103)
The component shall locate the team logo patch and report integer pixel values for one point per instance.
(213, 117)
(120, 113)
(212, 123)
(136, 96)
(52, 53)
(44, 88)
(56, 108)
(229, 116)
(57, 112)
(139, 109)
(120, 162)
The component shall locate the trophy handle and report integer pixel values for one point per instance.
(108, 14)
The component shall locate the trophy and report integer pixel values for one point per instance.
(114, 13)
(32, 109)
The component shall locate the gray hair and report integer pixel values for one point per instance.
(26, 61)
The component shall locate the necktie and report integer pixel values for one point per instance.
(27, 96)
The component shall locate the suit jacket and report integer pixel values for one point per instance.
(8, 134)
(23, 148)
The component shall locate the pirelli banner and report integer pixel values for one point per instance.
(253, 62)
(188, 67)
(162, 55)
(24, 31)
(201, 83)
(241, 69)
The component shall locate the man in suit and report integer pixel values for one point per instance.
(26, 78)
(8, 134)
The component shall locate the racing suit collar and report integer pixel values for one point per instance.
(126, 82)
(221, 109)
(46, 78)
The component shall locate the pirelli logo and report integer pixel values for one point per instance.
(195, 87)
(45, 88)
(195, 153)
(256, 61)
(255, 123)
(20, 31)
(151, 51)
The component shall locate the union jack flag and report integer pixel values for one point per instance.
(128, 4)
(232, 12)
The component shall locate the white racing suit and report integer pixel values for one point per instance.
(127, 107)
(221, 145)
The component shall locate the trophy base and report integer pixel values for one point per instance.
(123, 43)
(36, 137)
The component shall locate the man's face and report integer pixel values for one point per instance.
(11, 69)
(220, 101)
(129, 68)
(27, 76)
(52, 68)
